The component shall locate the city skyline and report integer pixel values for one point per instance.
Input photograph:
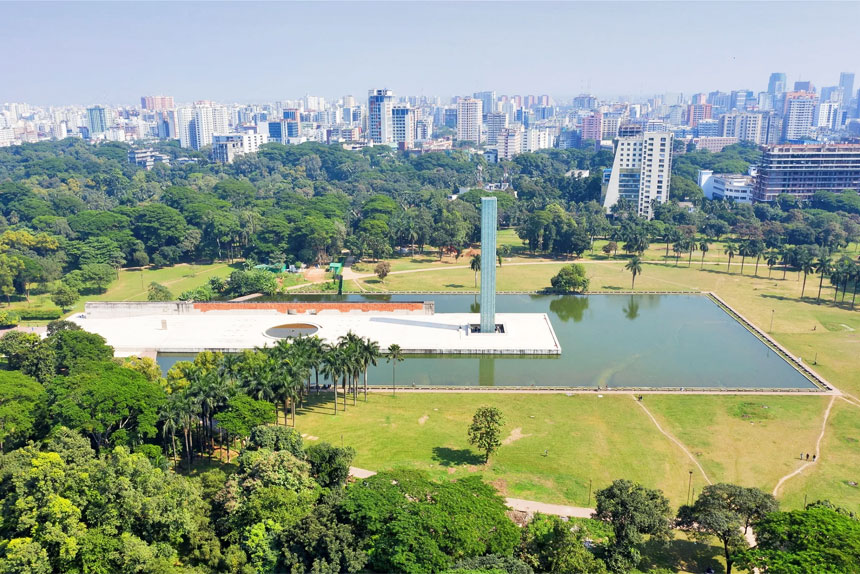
(374, 45)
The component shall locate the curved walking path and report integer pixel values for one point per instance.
(674, 440)
(817, 449)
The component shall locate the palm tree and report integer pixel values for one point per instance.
(171, 417)
(744, 251)
(635, 267)
(690, 246)
(822, 267)
(704, 246)
(731, 251)
(332, 367)
(475, 265)
(804, 263)
(846, 269)
(855, 277)
(351, 345)
(756, 248)
(771, 258)
(677, 249)
(789, 257)
(369, 353)
(394, 356)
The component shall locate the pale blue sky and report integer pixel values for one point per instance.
(112, 53)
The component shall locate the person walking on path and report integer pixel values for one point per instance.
(807, 456)
(813, 458)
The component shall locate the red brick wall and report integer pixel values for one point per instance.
(318, 306)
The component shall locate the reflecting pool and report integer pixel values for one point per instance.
(606, 340)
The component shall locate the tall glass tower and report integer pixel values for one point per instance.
(488, 264)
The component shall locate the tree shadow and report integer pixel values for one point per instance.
(679, 554)
(612, 288)
(455, 456)
(454, 285)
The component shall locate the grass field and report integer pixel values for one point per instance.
(729, 437)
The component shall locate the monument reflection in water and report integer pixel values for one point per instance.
(608, 340)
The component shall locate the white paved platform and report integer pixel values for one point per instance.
(235, 330)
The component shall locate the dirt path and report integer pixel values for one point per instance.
(817, 449)
(532, 506)
(674, 440)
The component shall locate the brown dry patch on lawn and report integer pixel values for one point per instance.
(515, 435)
(423, 419)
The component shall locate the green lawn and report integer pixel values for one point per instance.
(132, 285)
(732, 448)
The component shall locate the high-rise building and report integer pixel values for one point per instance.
(846, 82)
(97, 120)
(801, 170)
(804, 86)
(776, 84)
(509, 142)
(424, 129)
(157, 103)
(225, 147)
(488, 101)
(799, 115)
(827, 115)
(745, 126)
(697, 113)
(182, 119)
(403, 126)
(469, 113)
(379, 105)
(496, 122)
(707, 128)
(641, 172)
(592, 127)
(202, 127)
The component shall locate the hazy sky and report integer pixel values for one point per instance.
(83, 53)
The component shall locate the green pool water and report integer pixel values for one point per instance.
(646, 341)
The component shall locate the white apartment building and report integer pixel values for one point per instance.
(538, 138)
(203, 127)
(827, 115)
(799, 115)
(469, 116)
(496, 122)
(509, 142)
(379, 121)
(641, 172)
(424, 129)
(729, 186)
(403, 125)
(225, 147)
(182, 118)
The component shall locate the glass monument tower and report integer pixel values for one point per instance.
(488, 264)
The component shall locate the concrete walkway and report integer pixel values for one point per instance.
(530, 506)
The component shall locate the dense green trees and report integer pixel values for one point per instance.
(77, 212)
(570, 279)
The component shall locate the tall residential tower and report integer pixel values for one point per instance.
(641, 172)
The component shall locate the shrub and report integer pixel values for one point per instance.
(40, 314)
(9, 319)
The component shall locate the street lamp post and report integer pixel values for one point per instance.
(772, 311)
(689, 488)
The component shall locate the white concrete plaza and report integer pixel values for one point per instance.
(235, 330)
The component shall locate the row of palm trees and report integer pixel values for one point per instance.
(280, 374)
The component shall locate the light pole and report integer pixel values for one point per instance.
(689, 488)
(772, 311)
(589, 492)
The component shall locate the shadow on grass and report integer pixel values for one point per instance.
(681, 554)
(454, 285)
(455, 456)
(612, 288)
